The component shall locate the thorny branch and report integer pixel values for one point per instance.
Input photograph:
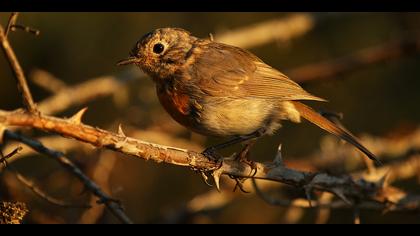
(112, 204)
(402, 162)
(42, 194)
(101, 173)
(345, 187)
(30, 185)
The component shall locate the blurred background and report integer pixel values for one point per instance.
(366, 64)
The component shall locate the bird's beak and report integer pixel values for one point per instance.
(127, 61)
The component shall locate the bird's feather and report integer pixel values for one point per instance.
(228, 71)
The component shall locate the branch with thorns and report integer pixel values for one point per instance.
(349, 189)
(113, 205)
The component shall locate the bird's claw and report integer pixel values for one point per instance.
(212, 154)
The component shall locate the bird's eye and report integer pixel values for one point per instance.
(158, 48)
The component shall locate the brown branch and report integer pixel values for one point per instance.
(82, 93)
(17, 70)
(15, 151)
(53, 142)
(285, 29)
(111, 204)
(390, 50)
(47, 81)
(30, 185)
(403, 167)
(406, 202)
(26, 29)
(42, 194)
(101, 174)
(12, 21)
(345, 187)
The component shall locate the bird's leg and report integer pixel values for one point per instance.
(244, 153)
(211, 152)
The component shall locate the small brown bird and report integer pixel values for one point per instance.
(220, 90)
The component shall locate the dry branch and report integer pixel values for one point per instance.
(112, 205)
(47, 81)
(42, 194)
(80, 94)
(31, 185)
(12, 21)
(17, 69)
(101, 173)
(393, 150)
(283, 29)
(391, 50)
(345, 187)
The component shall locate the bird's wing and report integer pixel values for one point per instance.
(227, 71)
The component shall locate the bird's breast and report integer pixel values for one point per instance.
(175, 102)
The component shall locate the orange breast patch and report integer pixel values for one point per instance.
(176, 103)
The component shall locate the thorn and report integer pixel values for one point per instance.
(14, 152)
(205, 178)
(239, 185)
(278, 159)
(77, 118)
(120, 131)
(211, 37)
(216, 177)
(340, 194)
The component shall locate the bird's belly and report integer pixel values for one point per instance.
(227, 117)
(224, 116)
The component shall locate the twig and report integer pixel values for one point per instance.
(81, 93)
(3, 158)
(409, 203)
(29, 184)
(12, 21)
(403, 168)
(100, 174)
(47, 81)
(111, 204)
(345, 187)
(18, 72)
(43, 195)
(53, 142)
(284, 29)
(26, 29)
(331, 69)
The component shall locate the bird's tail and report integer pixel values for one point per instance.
(325, 124)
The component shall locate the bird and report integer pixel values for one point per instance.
(221, 90)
